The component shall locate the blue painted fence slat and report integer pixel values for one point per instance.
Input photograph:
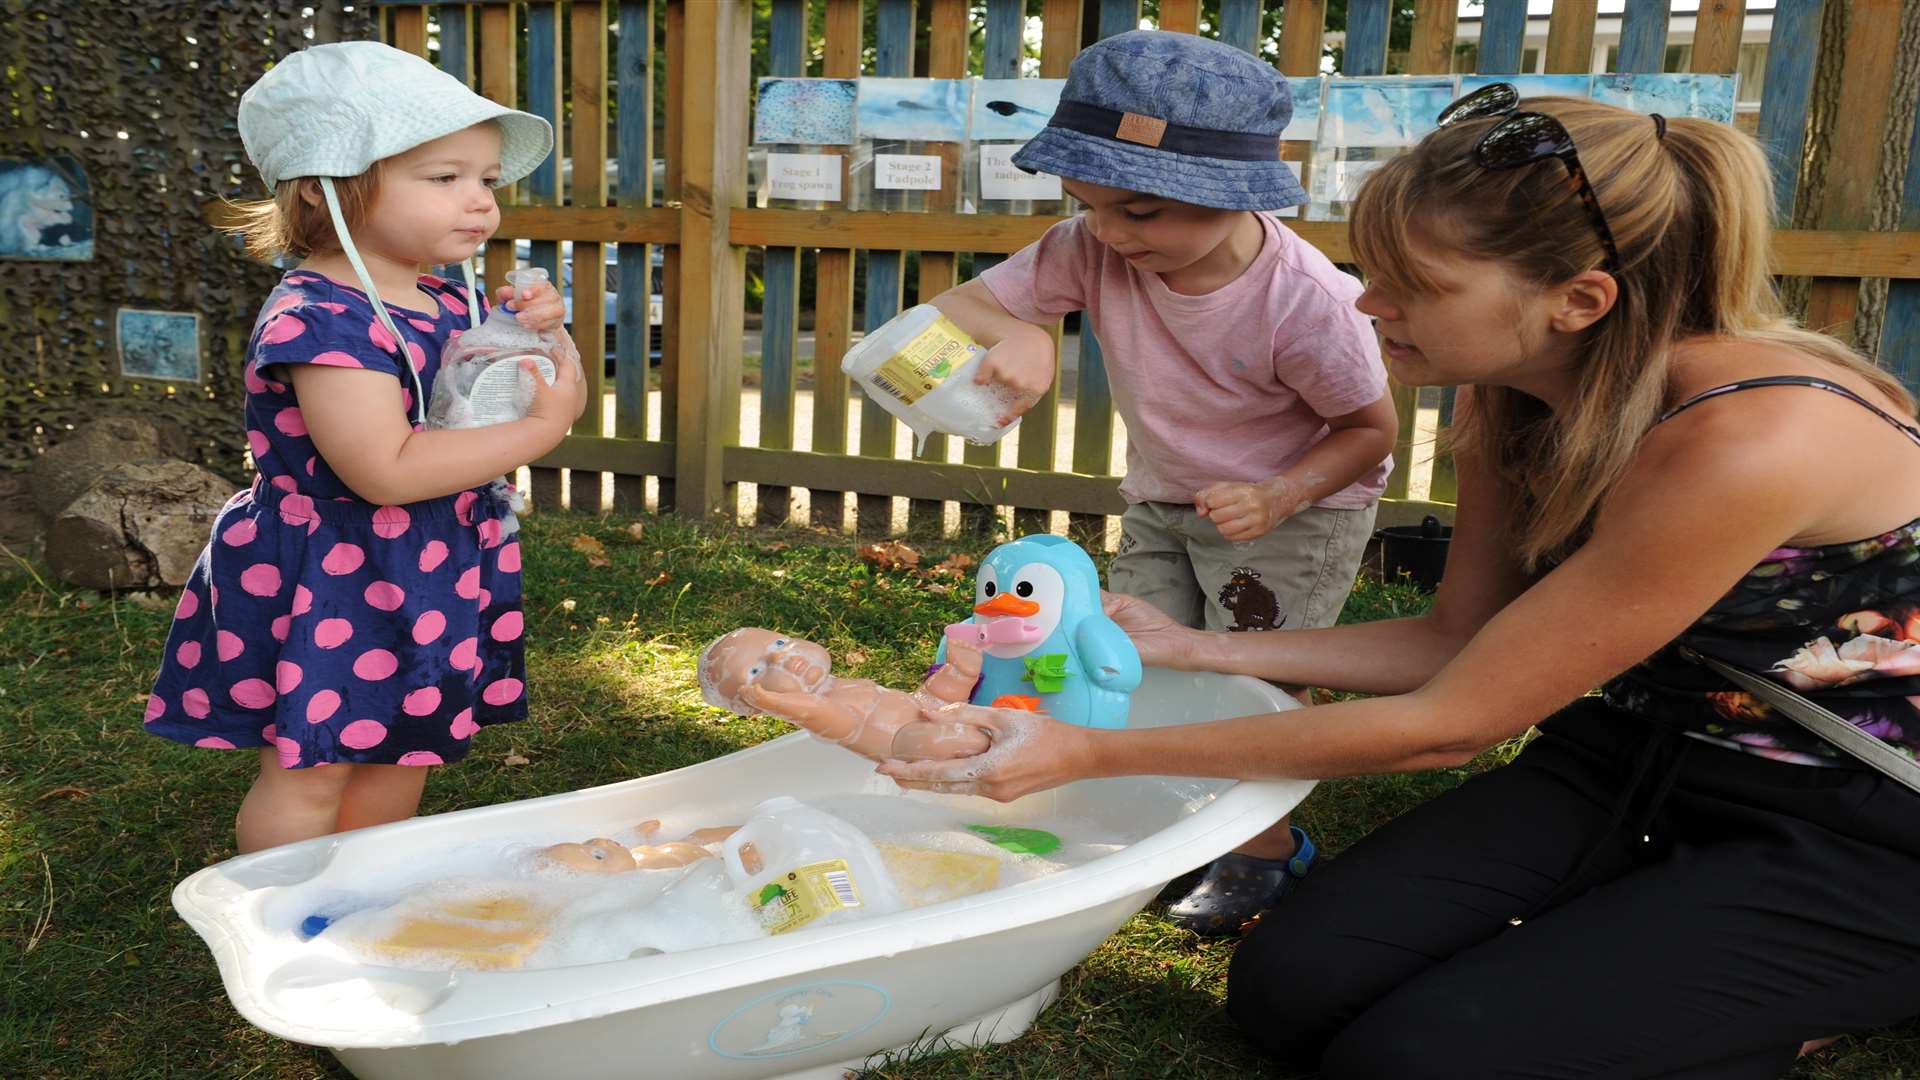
(780, 309)
(1900, 336)
(1503, 30)
(1791, 57)
(1366, 48)
(453, 39)
(1240, 24)
(1118, 17)
(893, 57)
(1643, 36)
(543, 100)
(633, 74)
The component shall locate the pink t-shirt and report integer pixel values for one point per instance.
(1232, 385)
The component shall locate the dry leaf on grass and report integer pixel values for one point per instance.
(516, 759)
(660, 579)
(636, 530)
(957, 564)
(856, 656)
(594, 550)
(777, 545)
(65, 793)
(890, 555)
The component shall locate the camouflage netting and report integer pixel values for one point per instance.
(143, 98)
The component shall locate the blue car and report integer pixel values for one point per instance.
(523, 254)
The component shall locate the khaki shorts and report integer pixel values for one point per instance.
(1295, 577)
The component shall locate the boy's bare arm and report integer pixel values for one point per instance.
(1354, 446)
(1020, 355)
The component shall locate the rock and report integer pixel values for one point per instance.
(20, 522)
(71, 465)
(141, 525)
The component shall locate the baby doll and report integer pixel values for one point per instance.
(752, 670)
(603, 856)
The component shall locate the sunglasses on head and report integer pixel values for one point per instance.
(1524, 138)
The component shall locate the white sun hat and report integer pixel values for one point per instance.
(332, 111)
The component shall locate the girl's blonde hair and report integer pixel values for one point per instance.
(1691, 214)
(288, 224)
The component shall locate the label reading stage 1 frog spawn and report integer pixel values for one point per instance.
(925, 362)
(805, 894)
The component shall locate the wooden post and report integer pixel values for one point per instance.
(589, 115)
(544, 97)
(633, 332)
(671, 290)
(1435, 23)
(1303, 31)
(833, 293)
(1716, 35)
(500, 81)
(1570, 36)
(946, 59)
(715, 133)
(1181, 16)
(1900, 336)
(780, 310)
(410, 29)
(1859, 135)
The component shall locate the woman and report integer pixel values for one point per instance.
(1671, 880)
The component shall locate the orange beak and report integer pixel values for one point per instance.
(1007, 604)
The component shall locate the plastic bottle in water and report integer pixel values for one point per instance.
(919, 366)
(480, 381)
(799, 866)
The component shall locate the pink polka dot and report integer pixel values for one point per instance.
(362, 734)
(261, 579)
(228, 645)
(313, 462)
(502, 692)
(406, 404)
(282, 328)
(269, 733)
(188, 654)
(463, 507)
(375, 664)
(421, 325)
(337, 309)
(289, 421)
(510, 558)
(469, 584)
(285, 483)
(335, 358)
(419, 758)
(302, 600)
(463, 726)
(251, 693)
(465, 655)
(196, 704)
(156, 708)
(507, 627)
(453, 305)
(418, 354)
(389, 522)
(429, 627)
(485, 599)
(213, 597)
(280, 627)
(385, 595)
(289, 752)
(322, 705)
(240, 533)
(377, 334)
(250, 378)
(257, 442)
(421, 702)
(489, 531)
(432, 556)
(287, 301)
(345, 558)
(297, 510)
(332, 633)
(189, 603)
(286, 676)
(213, 742)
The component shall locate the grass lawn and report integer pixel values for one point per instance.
(99, 978)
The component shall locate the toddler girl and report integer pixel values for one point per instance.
(358, 607)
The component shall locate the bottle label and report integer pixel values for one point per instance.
(802, 895)
(924, 362)
(494, 395)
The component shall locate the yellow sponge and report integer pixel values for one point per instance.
(927, 876)
(492, 933)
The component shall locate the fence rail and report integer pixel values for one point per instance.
(577, 54)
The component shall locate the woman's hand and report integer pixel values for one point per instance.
(1161, 641)
(538, 308)
(1029, 752)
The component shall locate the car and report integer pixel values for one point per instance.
(523, 255)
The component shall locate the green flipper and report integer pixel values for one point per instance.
(1017, 840)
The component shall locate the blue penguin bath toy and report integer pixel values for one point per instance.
(1049, 646)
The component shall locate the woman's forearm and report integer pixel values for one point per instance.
(1393, 656)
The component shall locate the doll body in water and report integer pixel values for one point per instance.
(752, 670)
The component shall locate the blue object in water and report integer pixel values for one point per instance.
(311, 926)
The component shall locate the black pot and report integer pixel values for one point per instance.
(1419, 551)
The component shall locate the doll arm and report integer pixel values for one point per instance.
(954, 680)
(810, 711)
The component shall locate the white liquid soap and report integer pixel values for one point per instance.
(919, 366)
(480, 381)
(799, 866)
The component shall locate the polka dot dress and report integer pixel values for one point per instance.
(325, 626)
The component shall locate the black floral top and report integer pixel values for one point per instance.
(1840, 623)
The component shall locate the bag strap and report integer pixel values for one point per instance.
(1818, 719)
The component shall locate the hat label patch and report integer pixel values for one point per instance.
(1145, 130)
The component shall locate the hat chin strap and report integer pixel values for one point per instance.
(380, 306)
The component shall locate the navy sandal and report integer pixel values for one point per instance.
(1236, 888)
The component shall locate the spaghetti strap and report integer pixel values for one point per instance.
(1909, 430)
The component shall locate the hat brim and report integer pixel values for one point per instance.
(525, 139)
(1221, 183)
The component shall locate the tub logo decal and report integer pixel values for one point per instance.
(797, 1019)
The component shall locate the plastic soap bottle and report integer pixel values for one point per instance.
(919, 366)
(799, 866)
(480, 381)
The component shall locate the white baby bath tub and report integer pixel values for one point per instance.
(806, 1004)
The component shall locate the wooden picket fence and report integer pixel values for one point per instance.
(701, 219)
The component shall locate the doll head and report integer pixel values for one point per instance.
(752, 656)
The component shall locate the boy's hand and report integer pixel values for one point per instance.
(1023, 363)
(539, 308)
(1244, 511)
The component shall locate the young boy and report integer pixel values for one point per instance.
(1259, 431)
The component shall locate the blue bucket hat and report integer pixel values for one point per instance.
(1172, 115)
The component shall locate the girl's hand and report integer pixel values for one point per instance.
(1244, 511)
(560, 404)
(540, 308)
(1160, 641)
(1029, 752)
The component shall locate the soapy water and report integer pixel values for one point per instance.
(550, 917)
